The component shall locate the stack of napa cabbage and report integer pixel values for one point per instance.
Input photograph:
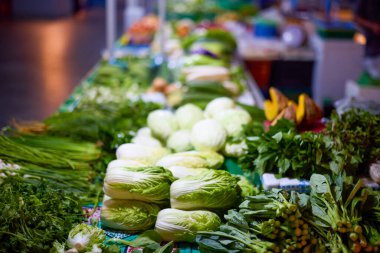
(145, 176)
(201, 188)
(135, 188)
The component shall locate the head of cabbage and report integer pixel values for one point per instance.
(218, 105)
(128, 215)
(83, 237)
(180, 141)
(235, 149)
(144, 131)
(187, 115)
(140, 153)
(247, 188)
(147, 141)
(210, 190)
(208, 135)
(233, 121)
(182, 226)
(180, 171)
(162, 123)
(192, 159)
(151, 184)
(124, 163)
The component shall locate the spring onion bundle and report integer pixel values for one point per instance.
(68, 164)
(53, 152)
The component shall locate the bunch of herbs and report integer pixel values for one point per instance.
(35, 214)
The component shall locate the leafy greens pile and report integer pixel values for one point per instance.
(359, 133)
(350, 143)
(50, 168)
(109, 123)
(335, 217)
(84, 140)
(34, 215)
(66, 163)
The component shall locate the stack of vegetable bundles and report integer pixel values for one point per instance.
(146, 175)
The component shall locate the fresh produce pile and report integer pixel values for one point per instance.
(335, 217)
(33, 214)
(147, 179)
(161, 171)
(304, 114)
(205, 70)
(349, 144)
(142, 31)
(50, 169)
(204, 10)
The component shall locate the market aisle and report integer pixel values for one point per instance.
(41, 61)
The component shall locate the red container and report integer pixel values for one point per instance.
(260, 70)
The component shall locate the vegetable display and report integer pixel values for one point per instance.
(161, 154)
(348, 144)
(335, 217)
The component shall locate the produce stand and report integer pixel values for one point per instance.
(192, 133)
(252, 96)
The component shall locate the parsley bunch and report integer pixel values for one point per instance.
(34, 215)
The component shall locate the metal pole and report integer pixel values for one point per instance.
(111, 28)
(162, 15)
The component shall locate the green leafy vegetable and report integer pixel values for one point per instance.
(150, 184)
(358, 132)
(337, 216)
(149, 241)
(349, 143)
(66, 163)
(182, 226)
(83, 237)
(109, 123)
(128, 215)
(209, 190)
(33, 216)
